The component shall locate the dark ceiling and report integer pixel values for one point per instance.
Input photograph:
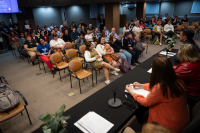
(35, 3)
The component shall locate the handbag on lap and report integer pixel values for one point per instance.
(115, 56)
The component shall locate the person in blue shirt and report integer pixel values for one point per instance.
(79, 28)
(1, 83)
(81, 41)
(44, 52)
(51, 36)
(107, 31)
(150, 25)
(74, 34)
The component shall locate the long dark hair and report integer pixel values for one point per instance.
(163, 73)
(99, 40)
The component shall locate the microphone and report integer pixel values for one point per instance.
(167, 50)
(114, 102)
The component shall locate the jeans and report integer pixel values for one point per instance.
(126, 56)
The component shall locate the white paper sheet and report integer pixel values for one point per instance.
(139, 91)
(169, 53)
(150, 70)
(93, 123)
(27, 26)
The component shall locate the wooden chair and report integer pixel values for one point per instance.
(179, 28)
(16, 110)
(71, 54)
(75, 41)
(191, 27)
(58, 62)
(68, 45)
(95, 43)
(196, 24)
(76, 71)
(147, 34)
(185, 24)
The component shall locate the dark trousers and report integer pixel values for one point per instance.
(142, 115)
(101, 28)
(169, 33)
(133, 56)
(7, 41)
(1, 45)
(137, 53)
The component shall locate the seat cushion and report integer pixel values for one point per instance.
(148, 35)
(78, 58)
(18, 109)
(82, 74)
(61, 65)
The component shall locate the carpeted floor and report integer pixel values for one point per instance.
(45, 93)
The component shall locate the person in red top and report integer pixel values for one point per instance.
(167, 97)
(42, 35)
(13, 39)
(142, 25)
(64, 27)
(189, 69)
(154, 20)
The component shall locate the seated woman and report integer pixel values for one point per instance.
(96, 34)
(44, 51)
(43, 36)
(150, 26)
(81, 41)
(117, 46)
(88, 36)
(30, 46)
(104, 35)
(83, 31)
(13, 39)
(142, 25)
(189, 70)
(34, 37)
(137, 29)
(106, 50)
(93, 56)
(66, 36)
(21, 40)
(166, 101)
(126, 28)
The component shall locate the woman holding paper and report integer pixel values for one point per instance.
(166, 101)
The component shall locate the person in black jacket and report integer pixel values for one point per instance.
(117, 46)
(66, 36)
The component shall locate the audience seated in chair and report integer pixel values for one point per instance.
(57, 44)
(91, 28)
(150, 26)
(126, 28)
(47, 32)
(117, 46)
(169, 29)
(74, 34)
(64, 27)
(34, 37)
(21, 40)
(142, 25)
(185, 19)
(96, 34)
(93, 56)
(13, 39)
(113, 32)
(166, 102)
(44, 51)
(88, 36)
(30, 46)
(186, 37)
(104, 35)
(82, 24)
(158, 30)
(81, 41)
(43, 36)
(137, 29)
(79, 28)
(51, 36)
(106, 50)
(107, 31)
(189, 69)
(154, 20)
(57, 32)
(83, 31)
(66, 36)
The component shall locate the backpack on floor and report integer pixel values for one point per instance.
(124, 67)
(8, 98)
(156, 41)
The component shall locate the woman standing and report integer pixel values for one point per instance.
(106, 50)
(93, 56)
(166, 103)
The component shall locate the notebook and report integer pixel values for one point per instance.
(139, 91)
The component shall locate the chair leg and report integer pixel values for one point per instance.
(147, 49)
(0, 131)
(96, 77)
(83, 80)
(21, 113)
(70, 80)
(39, 66)
(28, 115)
(60, 76)
(92, 80)
(44, 67)
(64, 70)
(79, 85)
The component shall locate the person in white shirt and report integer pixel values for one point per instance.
(137, 29)
(57, 43)
(88, 36)
(57, 32)
(169, 29)
(52, 26)
(113, 32)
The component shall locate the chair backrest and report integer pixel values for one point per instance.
(185, 24)
(196, 24)
(75, 65)
(69, 45)
(147, 31)
(193, 126)
(56, 57)
(82, 48)
(75, 40)
(191, 27)
(71, 53)
(95, 43)
(180, 27)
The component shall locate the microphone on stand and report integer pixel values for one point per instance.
(114, 102)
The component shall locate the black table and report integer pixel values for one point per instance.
(98, 102)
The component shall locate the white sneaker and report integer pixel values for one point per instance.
(177, 35)
(117, 70)
(160, 44)
(114, 73)
(107, 82)
(165, 36)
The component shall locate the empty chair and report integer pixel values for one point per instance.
(185, 24)
(71, 54)
(191, 27)
(179, 28)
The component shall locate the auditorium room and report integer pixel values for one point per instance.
(106, 66)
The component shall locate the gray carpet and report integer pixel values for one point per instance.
(45, 93)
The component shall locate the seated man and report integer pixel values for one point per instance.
(158, 29)
(44, 51)
(64, 27)
(81, 40)
(51, 36)
(96, 34)
(91, 28)
(57, 32)
(13, 39)
(88, 36)
(169, 29)
(74, 34)
(30, 46)
(67, 36)
(107, 31)
(79, 28)
(185, 19)
(56, 43)
(113, 32)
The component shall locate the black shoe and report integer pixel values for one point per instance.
(53, 71)
(138, 62)
(33, 63)
(133, 64)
